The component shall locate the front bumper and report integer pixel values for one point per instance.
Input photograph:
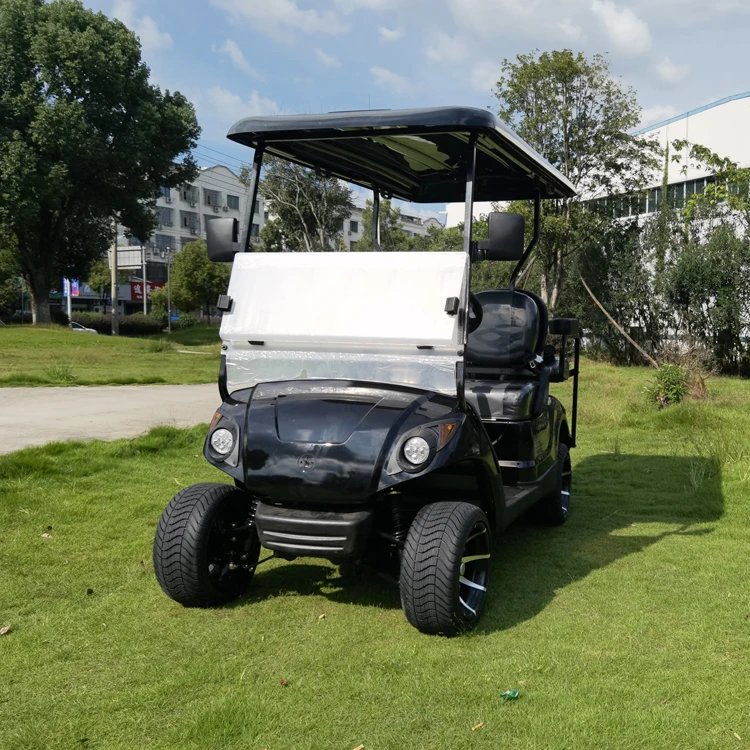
(296, 532)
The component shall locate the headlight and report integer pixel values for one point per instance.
(416, 450)
(222, 441)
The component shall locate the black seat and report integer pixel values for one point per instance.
(503, 355)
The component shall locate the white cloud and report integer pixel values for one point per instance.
(231, 49)
(657, 113)
(378, 5)
(571, 31)
(145, 28)
(395, 83)
(303, 80)
(327, 61)
(484, 75)
(230, 107)
(390, 35)
(626, 31)
(444, 48)
(277, 18)
(671, 72)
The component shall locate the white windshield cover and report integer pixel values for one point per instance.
(377, 317)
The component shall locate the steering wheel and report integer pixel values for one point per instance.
(475, 312)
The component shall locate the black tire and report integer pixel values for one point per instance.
(434, 595)
(553, 509)
(200, 534)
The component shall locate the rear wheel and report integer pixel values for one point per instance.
(553, 509)
(206, 545)
(445, 568)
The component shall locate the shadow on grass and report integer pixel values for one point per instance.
(612, 497)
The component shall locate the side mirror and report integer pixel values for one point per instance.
(222, 238)
(506, 238)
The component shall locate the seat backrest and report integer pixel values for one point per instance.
(512, 332)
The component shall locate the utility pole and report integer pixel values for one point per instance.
(113, 285)
(145, 286)
(69, 293)
(169, 291)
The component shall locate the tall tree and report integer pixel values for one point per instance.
(196, 282)
(84, 138)
(309, 207)
(579, 117)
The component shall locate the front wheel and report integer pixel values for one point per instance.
(445, 568)
(206, 545)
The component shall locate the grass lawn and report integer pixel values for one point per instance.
(54, 355)
(626, 628)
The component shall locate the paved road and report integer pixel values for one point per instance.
(34, 416)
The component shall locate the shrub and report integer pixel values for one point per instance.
(139, 325)
(99, 322)
(60, 373)
(159, 345)
(668, 387)
(186, 320)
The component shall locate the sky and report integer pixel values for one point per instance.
(237, 58)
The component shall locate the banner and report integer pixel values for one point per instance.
(136, 289)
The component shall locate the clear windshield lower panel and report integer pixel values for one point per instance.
(433, 372)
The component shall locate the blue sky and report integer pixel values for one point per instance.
(234, 58)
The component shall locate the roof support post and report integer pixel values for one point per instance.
(247, 224)
(534, 239)
(376, 220)
(463, 315)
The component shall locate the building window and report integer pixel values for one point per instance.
(354, 227)
(189, 193)
(166, 193)
(185, 240)
(211, 197)
(163, 241)
(255, 230)
(164, 216)
(233, 202)
(265, 216)
(190, 220)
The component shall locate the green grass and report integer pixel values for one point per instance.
(626, 628)
(54, 355)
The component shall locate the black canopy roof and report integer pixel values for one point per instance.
(415, 154)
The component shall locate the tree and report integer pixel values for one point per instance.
(310, 208)
(576, 115)
(707, 276)
(276, 240)
(99, 277)
(392, 235)
(84, 138)
(196, 281)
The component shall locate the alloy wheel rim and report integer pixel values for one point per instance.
(229, 545)
(474, 570)
(566, 485)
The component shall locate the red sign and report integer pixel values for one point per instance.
(136, 289)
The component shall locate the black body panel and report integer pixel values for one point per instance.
(313, 532)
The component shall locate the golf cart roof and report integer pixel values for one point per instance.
(417, 155)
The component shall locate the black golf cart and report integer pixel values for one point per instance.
(374, 409)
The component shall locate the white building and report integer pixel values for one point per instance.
(353, 229)
(722, 127)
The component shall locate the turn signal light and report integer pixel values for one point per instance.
(446, 432)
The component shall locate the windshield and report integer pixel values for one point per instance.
(377, 317)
